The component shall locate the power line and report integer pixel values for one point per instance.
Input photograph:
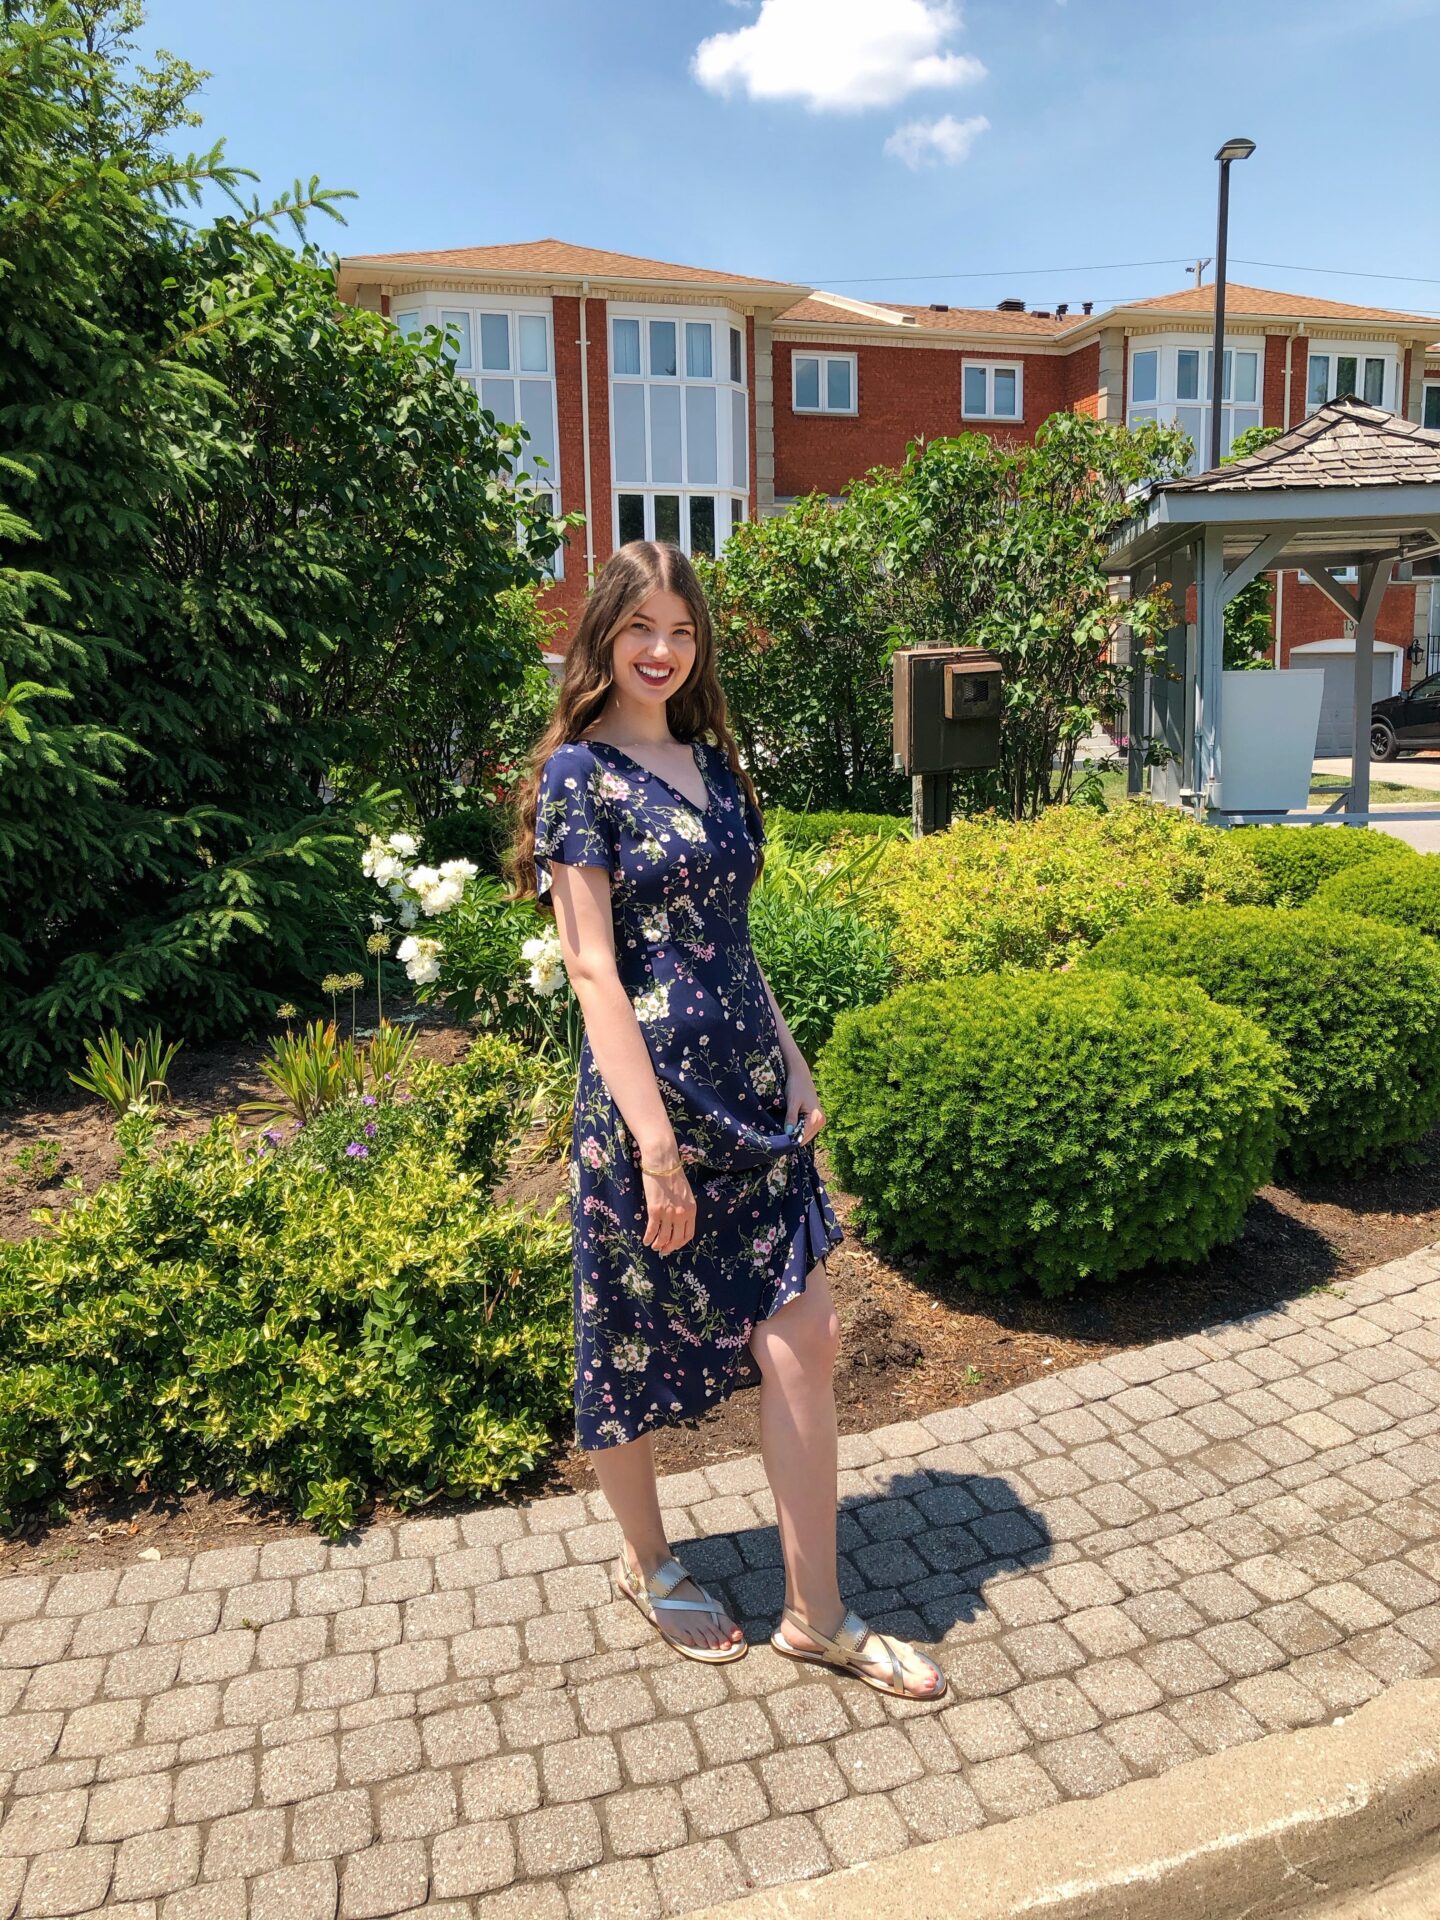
(1343, 273)
(998, 273)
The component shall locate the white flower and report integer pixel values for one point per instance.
(379, 864)
(687, 824)
(409, 913)
(421, 958)
(654, 1003)
(404, 844)
(461, 870)
(547, 969)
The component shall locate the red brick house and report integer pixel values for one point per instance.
(672, 401)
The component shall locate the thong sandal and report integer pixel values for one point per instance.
(845, 1651)
(656, 1591)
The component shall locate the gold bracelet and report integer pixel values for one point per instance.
(677, 1168)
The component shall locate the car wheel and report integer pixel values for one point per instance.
(1383, 744)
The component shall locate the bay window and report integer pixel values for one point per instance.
(679, 427)
(1169, 381)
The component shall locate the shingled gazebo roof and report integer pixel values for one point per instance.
(1345, 443)
(1352, 483)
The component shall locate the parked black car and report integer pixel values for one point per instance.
(1406, 721)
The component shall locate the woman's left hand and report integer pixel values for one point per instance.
(800, 1098)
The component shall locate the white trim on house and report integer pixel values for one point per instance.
(994, 372)
(1167, 378)
(824, 382)
(1332, 349)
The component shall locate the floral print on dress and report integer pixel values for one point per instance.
(661, 1337)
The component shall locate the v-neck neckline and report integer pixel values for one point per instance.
(696, 754)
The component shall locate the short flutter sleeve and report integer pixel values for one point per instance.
(572, 822)
(754, 819)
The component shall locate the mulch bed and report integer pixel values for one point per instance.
(913, 1342)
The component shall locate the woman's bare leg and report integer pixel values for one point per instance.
(795, 1351)
(627, 1479)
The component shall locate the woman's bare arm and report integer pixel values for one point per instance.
(583, 921)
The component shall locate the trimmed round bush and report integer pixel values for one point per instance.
(1355, 1005)
(1405, 893)
(1052, 1128)
(1295, 861)
(991, 892)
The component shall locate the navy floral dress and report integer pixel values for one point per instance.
(660, 1337)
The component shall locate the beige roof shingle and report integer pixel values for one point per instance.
(558, 257)
(1240, 299)
(1342, 444)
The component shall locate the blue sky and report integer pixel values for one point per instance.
(890, 149)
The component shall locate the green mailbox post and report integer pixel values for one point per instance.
(946, 721)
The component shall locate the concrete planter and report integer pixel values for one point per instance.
(1268, 728)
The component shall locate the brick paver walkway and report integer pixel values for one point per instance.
(1128, 1564)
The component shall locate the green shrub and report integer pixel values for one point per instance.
(820, 829)
(1052, 1127)
(1295, 861)
(1354, 1004)
(820, 960)
(991, 892)
(1406, 893)
(292, 1320)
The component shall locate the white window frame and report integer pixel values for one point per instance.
(822, 361)
(1193, 413)
(427, 310)
(990, 368)
(721, 321)
(1360, 351)
(1430, 387)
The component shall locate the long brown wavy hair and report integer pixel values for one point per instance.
(627, 579)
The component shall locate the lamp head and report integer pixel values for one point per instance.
(1236, 150)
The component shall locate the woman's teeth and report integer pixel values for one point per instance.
(657, 676)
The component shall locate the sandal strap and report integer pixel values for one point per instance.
(666, 1577)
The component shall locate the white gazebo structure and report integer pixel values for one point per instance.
(1351, 487)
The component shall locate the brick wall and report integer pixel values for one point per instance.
(1082, 380)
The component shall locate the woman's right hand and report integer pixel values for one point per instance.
(669, 1211)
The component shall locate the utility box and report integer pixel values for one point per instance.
(946, 709)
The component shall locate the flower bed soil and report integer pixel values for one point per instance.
(911, 1341)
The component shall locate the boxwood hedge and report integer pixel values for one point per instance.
(1295, 861)
(1052, 1127)
(1354, 1004)
(1406, 893)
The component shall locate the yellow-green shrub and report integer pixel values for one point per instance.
(1406, 893)
(991, 892)
(1295, 861)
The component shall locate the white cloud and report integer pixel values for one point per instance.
(942, 142)
(837, 55)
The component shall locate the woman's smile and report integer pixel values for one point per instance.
(655, 673)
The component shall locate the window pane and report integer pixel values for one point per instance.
(1187, 374)
(739, 462)
(1141, 413)
(837, 386)
(1191, 420)
(629, 432)
(458, 324)
(1375, 382)
(1142, 375)
(1238, 422)
(1432, 408)
(702, 524)
(537, 410)
(499, 397)
(700, 454)
(534, 343)
(632, 517)
(407, 323)
(665, 434)
(807, 383)
(1319, 380)
(975, 390)
(1347, 369)
(625, 348)
(699, 356)
(1247, 374)
(723, 519)
(1005, 402)
(737, 356)
(662, 347)
(667, 517)
(495, 342)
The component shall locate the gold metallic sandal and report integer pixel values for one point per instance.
(847, 1648)
(655, 1592)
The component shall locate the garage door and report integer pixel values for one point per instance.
(1336, 734)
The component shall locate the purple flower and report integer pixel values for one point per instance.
(371, 1129)
(357, 1151)
(368, 1100)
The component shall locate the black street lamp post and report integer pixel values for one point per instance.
(1232, 150)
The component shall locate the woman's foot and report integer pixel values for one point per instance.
(918, 1674)
(691, 1629)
